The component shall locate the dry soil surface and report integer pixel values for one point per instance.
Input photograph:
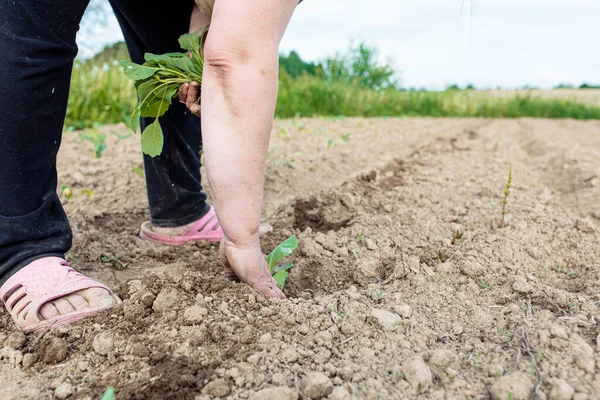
(382, 302)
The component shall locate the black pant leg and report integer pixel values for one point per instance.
(173, 179)
(37, 39)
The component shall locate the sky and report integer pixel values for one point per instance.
(434, 43)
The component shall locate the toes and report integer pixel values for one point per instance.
(78, 302)
(48, 311)
(97, 297)
(63, 306)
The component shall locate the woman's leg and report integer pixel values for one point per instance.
(173, 180)
(37, 39)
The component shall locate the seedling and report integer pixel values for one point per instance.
(286, 248)
(158, 81)
(506, 193)
(109, 394)
(97, 139)
(339, 313)
(378, 297)
(455, 237)
(67, 192)
(138, 171)
(346, 137)
(87, 192)
(330, 143)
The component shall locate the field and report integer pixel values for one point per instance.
(382, 302)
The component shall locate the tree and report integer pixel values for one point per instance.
(295, 66)
(360, 66)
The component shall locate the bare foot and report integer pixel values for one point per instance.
(78, 301)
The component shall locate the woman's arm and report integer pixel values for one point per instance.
(240, 91)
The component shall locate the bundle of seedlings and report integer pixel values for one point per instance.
(158, 81)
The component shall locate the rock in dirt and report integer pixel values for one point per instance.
(28, 360)
(103, 343)
(217, 388)
(404, 310)
(561, 390)
(385, 319)
(440, 359)
(63, 391)
(471, 268)
(516, 386)
(339, 393)
(316, 385)
(54, 351)
(16, 340)
(275, 393)
(14, 357)
(167, 299)
(195, 314)
(417, 373)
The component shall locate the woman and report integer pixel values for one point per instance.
(239, 90)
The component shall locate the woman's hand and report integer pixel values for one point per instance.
(189, 94)
(247, 262)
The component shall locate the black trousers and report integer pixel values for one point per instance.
(37, 42)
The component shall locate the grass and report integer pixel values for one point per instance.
(101, 94)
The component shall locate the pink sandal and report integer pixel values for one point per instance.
(44, 280)
(207, 228)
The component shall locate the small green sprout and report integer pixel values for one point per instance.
(484, 285)
(506, 193)
(109, 394)
(379, 296)
(87, 192)
(360, 237)
(97, 139)
(67, 192)
(283, 250)
(339, 313)
(330, 143)
(456, 236)
(346, 137)
(138, 171)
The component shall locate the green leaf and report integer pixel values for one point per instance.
(190, 42)
(280, 278)
(282, 268)
(163, 57)
(137, 72)
(134, 119)
(152, 139)
(158, 101)
(283, 250)
(109, 394)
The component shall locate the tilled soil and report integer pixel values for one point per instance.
(406, 283)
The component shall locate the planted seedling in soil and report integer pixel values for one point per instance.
(158, 81)
(286, 248)
(109, 394)
(455, 237)
(506, 193)
(97, 139)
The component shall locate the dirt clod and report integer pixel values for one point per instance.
(316, 385)
(275, 393)
(561, 390)
(16, 340)
(516, 386)
(385, 319)
(63, 391)
(103, 343)
(217, 388)
(166, 300)
(418, 373)
(53, 350)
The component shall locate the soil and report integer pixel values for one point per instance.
(382, 303)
